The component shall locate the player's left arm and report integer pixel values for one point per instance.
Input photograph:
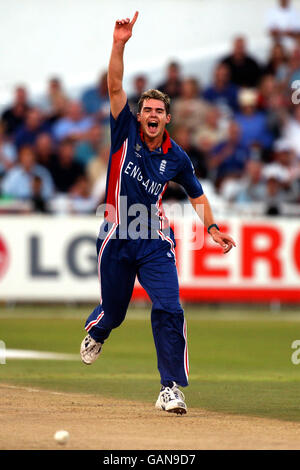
(203, 209)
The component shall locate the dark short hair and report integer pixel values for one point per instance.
(154, 95)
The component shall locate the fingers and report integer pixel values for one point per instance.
(121, 22)
(228, 248)
(225, 241)
(127, 20)
(229, 239)
(134, 18)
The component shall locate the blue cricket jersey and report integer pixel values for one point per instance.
(143, 175)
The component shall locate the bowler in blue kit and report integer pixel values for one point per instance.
(135, 239)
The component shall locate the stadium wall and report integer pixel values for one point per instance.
(53, 259)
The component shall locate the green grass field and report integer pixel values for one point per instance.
(240, 361)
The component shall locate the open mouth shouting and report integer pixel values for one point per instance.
(152, 127)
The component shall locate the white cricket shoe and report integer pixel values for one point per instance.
(90, 350)
(171, 400)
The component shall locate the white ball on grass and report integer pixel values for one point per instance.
(61, 437)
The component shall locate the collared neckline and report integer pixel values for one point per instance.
(166, 144)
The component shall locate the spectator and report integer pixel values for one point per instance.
(229, 158)
(75, 124)
(172, 85)
(19, 181)
(65, 171)
(277, 63)
(277, 112)
(244, 70)
(81, 201)
(34, 126)
(89, 147)
(14, 116)
(182, 135)
(188, 108)
(96, 172)
(38, 202)
(253, 123)
(283, 23)
(212, 132)
(291, 131)
(252, 186)
(8, 154)
(286, 164)
(266, 89)
(267, 184)
(44, 150)
(222, 92)
(140, 85)
(293, 70)
(95, 100)
(55, 102)
(274, 194)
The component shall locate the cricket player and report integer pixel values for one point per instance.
(143, 159)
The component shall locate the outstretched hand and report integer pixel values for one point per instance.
(123, 28)
(224, 240)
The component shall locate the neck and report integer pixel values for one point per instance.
(152, 144)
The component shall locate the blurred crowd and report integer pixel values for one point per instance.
(241, 131)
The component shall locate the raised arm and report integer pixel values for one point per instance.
(203, 209)
(122, 32)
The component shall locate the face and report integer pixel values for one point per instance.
(43, 144)
(273, 186)
(26, 158)
(33, 119)
(189, 89)
(284, 158)
(140, 84)
(54, 85)
(222, 74)
(95, 134)
(212, 117)
(253, 170)
(284, 3)
(173, 72)
(20, 95)
(75, 111)
(66, 152)
(239, 46)
(153, 118)
(278, 52)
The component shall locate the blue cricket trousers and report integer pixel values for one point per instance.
(153, 262)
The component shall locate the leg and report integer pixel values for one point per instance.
(116, 275)
(157, 273)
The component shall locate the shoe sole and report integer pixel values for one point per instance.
(178, 411)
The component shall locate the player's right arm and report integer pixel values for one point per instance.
(117, 96)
